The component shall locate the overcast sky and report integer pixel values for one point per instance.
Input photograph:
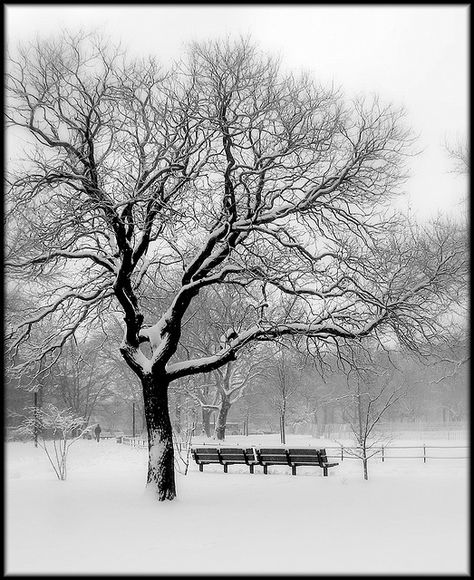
(416, 56)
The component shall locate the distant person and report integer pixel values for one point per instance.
(97, 431)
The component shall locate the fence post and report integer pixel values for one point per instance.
(383, 456)
(342, 452)
(424, 453)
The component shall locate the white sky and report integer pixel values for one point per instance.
(416, 56)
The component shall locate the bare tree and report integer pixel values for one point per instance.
(225, 387)
(58, 430)
(214, 319)
(459, 153)
(82, 378)
(204, 395)
(310, 405)
(282, 388)
(231, 384)
(184, 430)
(371, 396)
(221, 170)
(123, 383)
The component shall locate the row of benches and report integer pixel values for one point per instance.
(264, 457)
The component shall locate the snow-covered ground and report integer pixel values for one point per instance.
(410, 517)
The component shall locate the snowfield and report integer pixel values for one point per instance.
(410, 517)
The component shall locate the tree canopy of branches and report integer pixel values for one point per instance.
(219, 170)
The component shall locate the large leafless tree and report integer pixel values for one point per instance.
(219, 170)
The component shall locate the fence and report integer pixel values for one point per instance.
(385, 452)
(143, 443)
(343, 452)
(133, 441)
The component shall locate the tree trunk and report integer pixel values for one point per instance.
(160, 437)
(222, 420)
(365, 464)
(206, 421)
(323, 421)
(282, 429)
(177, 412)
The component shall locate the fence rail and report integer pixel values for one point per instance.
(143, 443)
(382, 452)
(385, 452)
(134, 441)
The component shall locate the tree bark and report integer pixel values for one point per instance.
(366, 471)
(160, 476)
(177, 413)
(206, 421)
(282, 429)
(222, 420)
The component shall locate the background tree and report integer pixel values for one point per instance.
(82, 378)
(282, 387)
(459, 154)
(58, 429)
(221, 170)
(124, 386)
(231, 384)
(213, 319)
(204, 394)
(370, 397)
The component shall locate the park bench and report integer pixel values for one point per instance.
(265, 457)
(224, 456)
(294, 458)
(309, 456)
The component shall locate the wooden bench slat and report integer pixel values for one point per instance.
(306, 452)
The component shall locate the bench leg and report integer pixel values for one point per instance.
(225, 467)
(201, 467)
(265, 469)
(251, 468)
(293, 470)
(325, 471)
